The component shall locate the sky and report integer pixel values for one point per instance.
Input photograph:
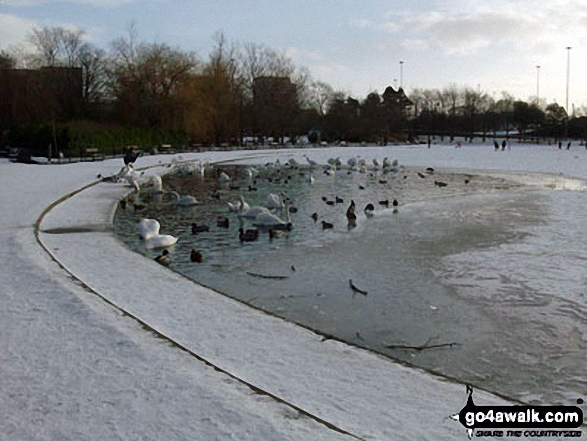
(356, 46)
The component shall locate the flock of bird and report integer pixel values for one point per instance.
(273, 216)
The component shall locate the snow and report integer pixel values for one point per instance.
(98, 342)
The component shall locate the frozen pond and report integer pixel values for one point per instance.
(488, 269)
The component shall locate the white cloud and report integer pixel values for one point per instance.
(13, 30)
(361, 23)
(414, 45)
(537, 26)
(97, 3)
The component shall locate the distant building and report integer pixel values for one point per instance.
(35, 96)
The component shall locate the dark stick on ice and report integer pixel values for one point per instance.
(263, 276)
(355, 289)
(424, 346)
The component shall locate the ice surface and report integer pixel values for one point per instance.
(73, 367)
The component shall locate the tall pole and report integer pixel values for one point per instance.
(568, 48)
(538, 85)
(401, 74)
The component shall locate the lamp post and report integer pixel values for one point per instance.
(538, 86)
(568, 48)
(401, 74)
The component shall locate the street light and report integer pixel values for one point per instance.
(568, 48)
(401, 74)
(538, 85)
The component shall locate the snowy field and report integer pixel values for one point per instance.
(96, 342)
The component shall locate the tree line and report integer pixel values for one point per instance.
(136, 92)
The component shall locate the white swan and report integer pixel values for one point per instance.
(130, 175)
(184, 201)
(253, 212)
(148, 228)
(156, 184)
(272, 220)
(149, 232)
(160, 241)
(239, 205)
(274, 201)
(223, 177)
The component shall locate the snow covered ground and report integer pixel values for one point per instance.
(96, 343)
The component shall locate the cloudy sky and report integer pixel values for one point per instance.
(356, 46)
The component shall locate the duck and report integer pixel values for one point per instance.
(222, 221)
(315, 216)
(275, 234)
(248, 235)
(440, 184)
(327, 225)
(338, 200)
(163, 258)
(199, 228)
(369, 209)
(385, 203)
(196, 256)
(350, 212)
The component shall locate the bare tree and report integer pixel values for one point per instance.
(145, 78)
(320, 96)
(47, 42)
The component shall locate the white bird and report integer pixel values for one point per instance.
(274, 221)
(395, 162)
(252, 172)
(130, 175)
(156, 184)
(238, 206)
(223, 177)
(311, 162)
(149, 232)
(274, 201)
(352, 162)
(184, 201)
(253, 212)
(160, 241)
(386, 162)
(311, 179)
(148, 228)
